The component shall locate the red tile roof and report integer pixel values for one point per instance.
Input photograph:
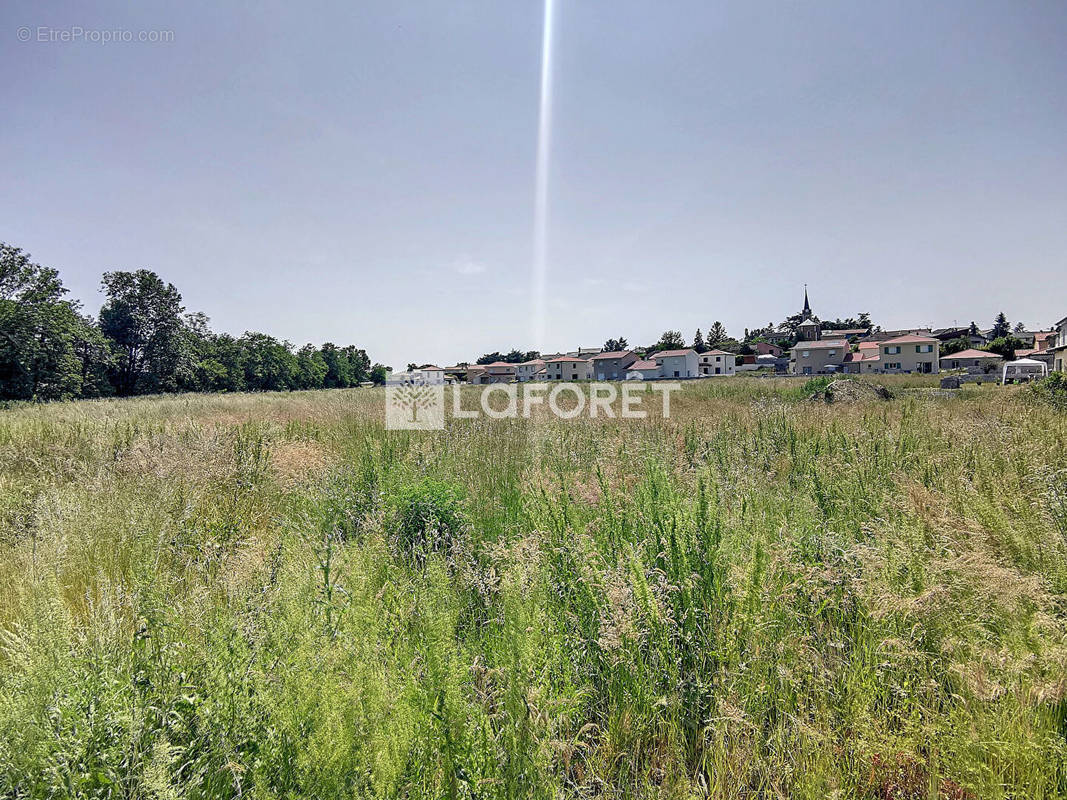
(716, 353)
(910, 338)
(566, 358)
(499, 364)
(646, 364)
(532, 362)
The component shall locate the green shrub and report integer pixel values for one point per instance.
(1051, 390)
(429, 516)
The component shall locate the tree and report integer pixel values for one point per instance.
(717, 335)
(1001, 327)
(310, 367)
(45, 344)
(615, 345)
(379, 375)
(412, 367)
(698, 342)
(670, 340)
(955, 346)
(1005, 346)
(973, 330)
(143, 317)
(1019, 328)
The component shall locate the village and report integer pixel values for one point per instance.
(807, 348)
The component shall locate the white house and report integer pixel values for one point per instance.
(717, 362)
(430, 374)
(677, 363)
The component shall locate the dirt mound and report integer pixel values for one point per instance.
(848, 391)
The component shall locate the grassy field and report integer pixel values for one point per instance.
(272, 596)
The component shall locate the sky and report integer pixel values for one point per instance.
(364, 173)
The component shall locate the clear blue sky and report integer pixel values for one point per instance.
(364, 172)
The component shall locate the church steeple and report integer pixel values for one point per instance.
(807, 308)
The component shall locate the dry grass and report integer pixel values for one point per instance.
(270, 595)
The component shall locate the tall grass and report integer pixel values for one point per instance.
(271, 596)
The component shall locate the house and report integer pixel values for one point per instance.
(1044, 356)
(456, 373)
(431, 374)
(612, 365)
(643, 370)
(882, 336)
(568, 368)
(526, 371)
(910, 353)
(818, 358)
(959, 332)
(972, 361)
(1042, 339)
(848, 333)
(676, 363)
(1058, 346)
(865, 359)
(767, 349)
(499, 372)
(717, 362)
(475, 373)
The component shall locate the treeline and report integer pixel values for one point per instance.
(143, 342)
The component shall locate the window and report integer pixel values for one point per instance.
(806, 353)
(718, 370)
(676, 373)
(892, 351)
(833, 353)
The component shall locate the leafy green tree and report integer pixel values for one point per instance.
(143, 317)
(1005, 346)
(310, 367)
(45, 344)
(412, 366)
(955, 346)
(269, 365)
(1001, 327)
(670, 340)
(379, 374)
(615, 345)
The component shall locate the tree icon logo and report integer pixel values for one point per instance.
(413, 404)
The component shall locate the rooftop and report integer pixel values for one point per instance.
(612, 354)
(972, 353)
(670, 353)
(910, 338)
(825, 344)
(645, 364)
